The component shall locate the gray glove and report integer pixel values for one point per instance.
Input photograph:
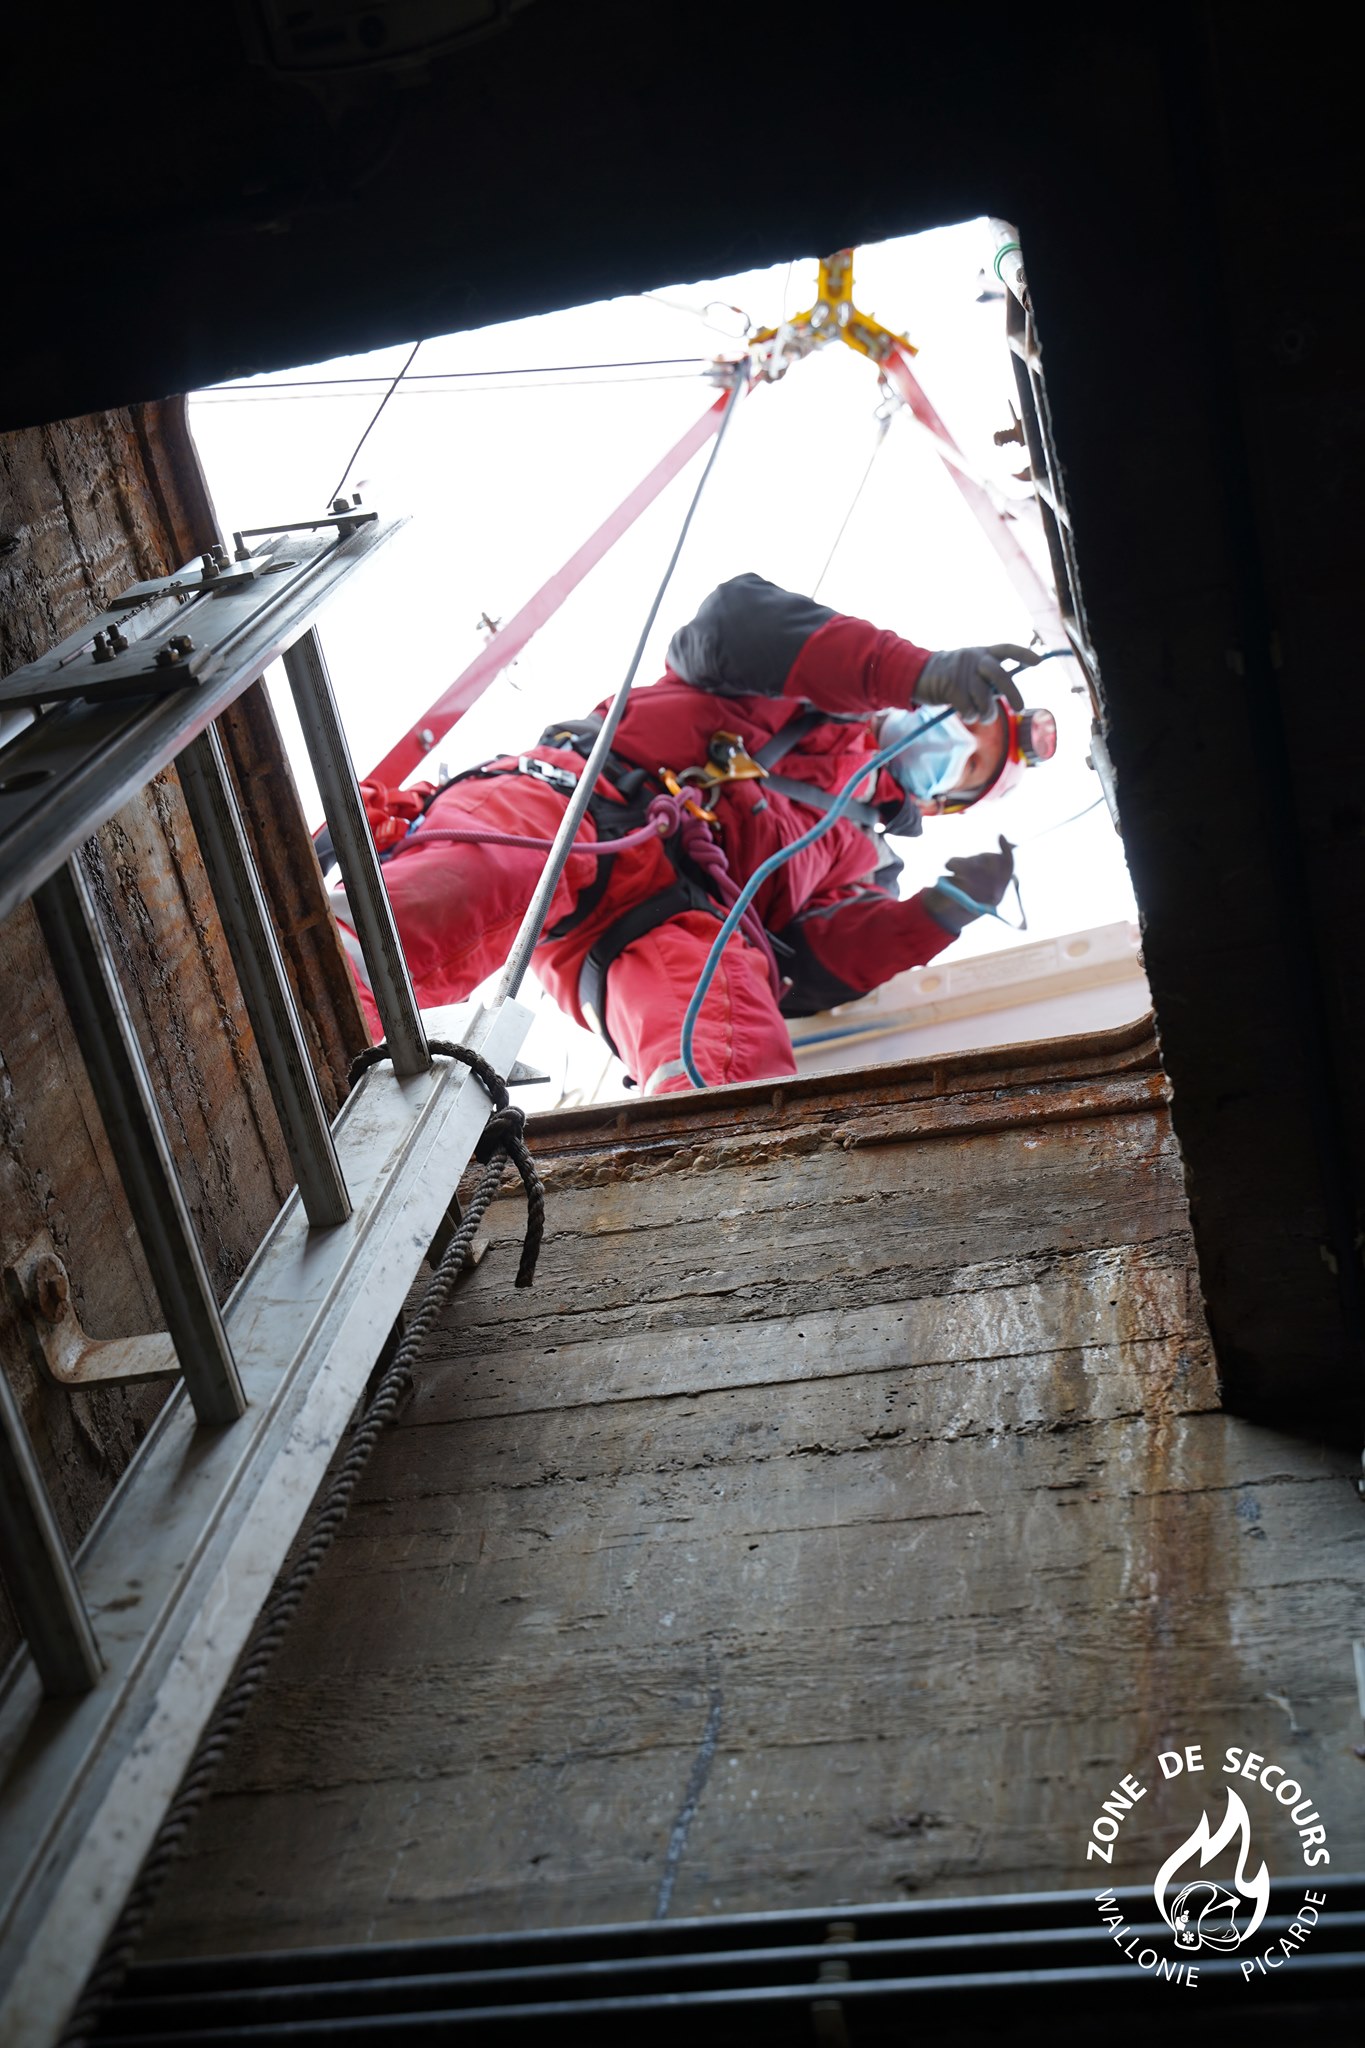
(969, 679)
(983, 876)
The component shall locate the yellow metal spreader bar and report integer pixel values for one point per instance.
(833, 317)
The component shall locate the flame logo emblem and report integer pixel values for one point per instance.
(1204, 1914)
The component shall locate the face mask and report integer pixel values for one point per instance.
(932, 765)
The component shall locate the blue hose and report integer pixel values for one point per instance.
(776, 860)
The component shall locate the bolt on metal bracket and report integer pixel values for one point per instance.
(39, 1286)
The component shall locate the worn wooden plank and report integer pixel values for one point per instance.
(893, 1532)
(605, 1680)
(1104, 1299)
(646, 1124)
(958, 1203)
(573, 1838)
(997, 1404)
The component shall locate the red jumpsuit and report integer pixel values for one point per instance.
(753, 659)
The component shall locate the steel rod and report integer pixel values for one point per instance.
(38, 1574)
(306, 668)
(1050, 1914)
(519, 959)
(379, 1990)
(123, 1091)
(513, 635)
(212, 801)
(768, 2012)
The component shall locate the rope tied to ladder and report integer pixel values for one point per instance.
(503, 1138)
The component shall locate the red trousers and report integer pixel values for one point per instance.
(458, 908)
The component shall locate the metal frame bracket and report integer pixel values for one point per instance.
(39, 1287)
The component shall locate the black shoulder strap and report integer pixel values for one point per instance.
(790, 735)
(857, 813)
(632, 925)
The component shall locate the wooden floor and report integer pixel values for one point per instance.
(843, 1513)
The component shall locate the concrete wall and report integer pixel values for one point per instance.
(854, 1473)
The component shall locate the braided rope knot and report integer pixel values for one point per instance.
(504, 1128)
(504, 1134)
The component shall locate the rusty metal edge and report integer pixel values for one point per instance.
(1090, 1056)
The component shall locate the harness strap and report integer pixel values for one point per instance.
(613, 821)
(867, 816)
(791, 735)
(862, 814)
(683, 894)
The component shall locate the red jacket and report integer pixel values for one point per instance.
(752, 659)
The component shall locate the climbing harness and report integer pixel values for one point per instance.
(779, 859)
(702, 879)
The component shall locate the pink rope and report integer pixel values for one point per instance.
(666, 815)
(709, 855)
(594, 849)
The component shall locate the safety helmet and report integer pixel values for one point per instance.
(1030, 737)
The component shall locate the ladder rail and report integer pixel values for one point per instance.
(129, 1644)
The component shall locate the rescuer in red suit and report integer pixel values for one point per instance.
(806, 692)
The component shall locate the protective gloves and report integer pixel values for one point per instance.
(969, 679)
(982, 876)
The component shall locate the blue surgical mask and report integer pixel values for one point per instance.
(930, 766)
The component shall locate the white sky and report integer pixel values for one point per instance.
(504, 478)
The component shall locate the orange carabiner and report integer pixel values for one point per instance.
(675, 788)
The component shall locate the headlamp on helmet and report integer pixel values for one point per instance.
(1030, 737)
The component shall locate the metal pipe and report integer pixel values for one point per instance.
(306, 668)
(382, 1988)
(123, 1090)
(38, 1574)
(519, 959)
(776, 2012)
(1009, 260)
(269, 998)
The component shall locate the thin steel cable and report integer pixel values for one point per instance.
(332, 496)
(454, 376)
(278, 394)
(1058, 823)
(500, 1144)
(876, 451)
(519, 959)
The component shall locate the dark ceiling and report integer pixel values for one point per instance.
(184, 206)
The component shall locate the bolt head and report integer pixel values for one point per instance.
(50, 1288)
